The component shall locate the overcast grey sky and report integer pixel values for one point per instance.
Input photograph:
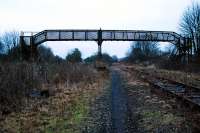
(37, 15)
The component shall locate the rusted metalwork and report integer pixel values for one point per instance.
(99, 36)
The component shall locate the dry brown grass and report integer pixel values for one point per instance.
(18, 80)
(191, 79)
(65, 110)
(188, 78)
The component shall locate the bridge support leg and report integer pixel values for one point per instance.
(34, 52)
(25, 50)
(21, 47)
(99, 44)
(99, 49)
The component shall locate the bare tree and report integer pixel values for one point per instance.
(190, 24)
(10, 40)
(1, 47)
(143, 51)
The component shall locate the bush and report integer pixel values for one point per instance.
(45, 54)
(16, 81)
(74, 56)
(105, 57)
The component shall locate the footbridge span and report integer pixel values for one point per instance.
(30, 43)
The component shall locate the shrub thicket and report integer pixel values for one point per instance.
(19, 80)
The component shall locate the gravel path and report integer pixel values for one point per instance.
(119, 109)
(110, 112)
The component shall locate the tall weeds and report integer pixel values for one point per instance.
(18, 80)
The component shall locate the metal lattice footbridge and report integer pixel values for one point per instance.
(99, 36)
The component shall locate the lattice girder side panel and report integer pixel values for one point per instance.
(39, 38)
(53, 35)
(92, 35)
(66, 35)
(138, 36)
(79, 35)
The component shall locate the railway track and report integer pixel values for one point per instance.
(188, 95)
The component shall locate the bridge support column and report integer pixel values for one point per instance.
(99, 49)
(34, 52)
(25, 49)
(21, 46)
(99, 44)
